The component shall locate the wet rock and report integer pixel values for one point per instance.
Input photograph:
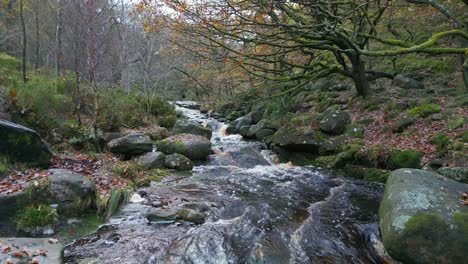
(191, 127)
(68, 187)
(234, 126)
(304, 140)
(53, 251)
(334, 121)
(421, 218)
(131, 145)
(402, 123)
(194, 147)
(406, 82)
(161, 215)
(151, 160)
(244, 131)
(262, 125)
(191, 216)
(24, 145)
(459, 174)
(178, 162)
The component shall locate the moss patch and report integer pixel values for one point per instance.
(368, 174)
(405, 159)
(36, 216)
(424, 110)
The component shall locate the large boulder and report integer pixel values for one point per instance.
(178, 162)
(191, 127)
(194, 147)
(407, 82)
(298, 139)
(334, 121)
(26, 247)
(422, 219)
(235, 126)
(264, 125)
(70, 189)
(130, 145)
(21, 144)
(151, 160)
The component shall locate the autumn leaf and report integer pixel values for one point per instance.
(6, 250)
(17, 254)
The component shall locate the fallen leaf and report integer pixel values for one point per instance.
(5, 250)
(17, 254)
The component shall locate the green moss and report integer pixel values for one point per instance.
(324, 161)
(461, 223)
(425, 228)
(442, 141)
(405, 159)
(36, 216)
(369, 174)
(108, 207)
(355, 131)
(456, 122)
(179, 147)
(424, 110)
(346, 157)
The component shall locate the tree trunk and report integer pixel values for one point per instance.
(38, 43)
(23, 28)
(359, 75)
(58, 41)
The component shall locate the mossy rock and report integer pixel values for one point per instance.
(368, 174)
(424, 110)
(348, 156)
(23, 145)
(299, 139)
(334, 121)
(324, 161)
(191, 216)
(194, 147)
(421, 219)
(178, 162)
(459, 174)
(191, 127)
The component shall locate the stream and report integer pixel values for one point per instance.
(256, 212)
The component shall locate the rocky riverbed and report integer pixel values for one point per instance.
(241, 206)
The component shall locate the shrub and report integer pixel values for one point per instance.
(424, 110)
(36, 216)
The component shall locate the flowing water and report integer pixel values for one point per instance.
(256, 212)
